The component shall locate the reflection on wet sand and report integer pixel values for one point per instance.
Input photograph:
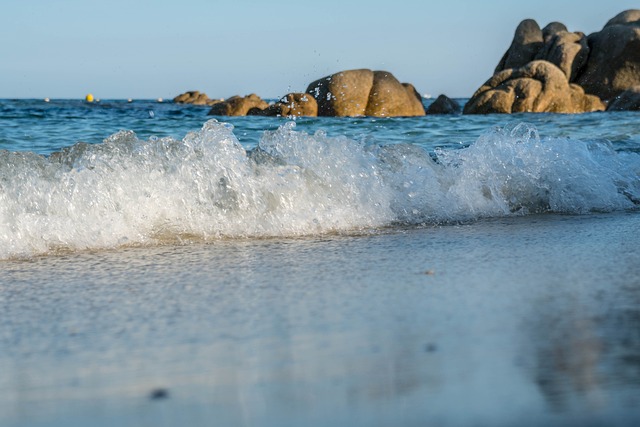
(568, 359)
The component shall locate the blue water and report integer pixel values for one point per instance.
(158, 267)
(33, 125)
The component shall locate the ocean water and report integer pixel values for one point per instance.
(161, 267)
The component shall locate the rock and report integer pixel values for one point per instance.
(444, 105)
(614, 60)
(195, 98)
(538, 87)
(527, 42)
(629, 100)
(568, 51)
(552, 29)
(390, 98)
(626, 17)
(343, 94)
(238, 106)
(365, 93)
(291, 105)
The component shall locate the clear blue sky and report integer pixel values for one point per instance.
(151, 49)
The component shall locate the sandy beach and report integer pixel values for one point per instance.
(527, 320)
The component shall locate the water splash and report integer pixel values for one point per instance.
(207, 186)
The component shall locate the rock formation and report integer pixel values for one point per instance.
(444, 105)
(568, 51)
(291, 105)
(195, 98)
(526, 44)
(603, 65)
(238, 106)
(614, 61)
(365, 93)
(538, 87)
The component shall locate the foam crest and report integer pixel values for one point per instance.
(127, 191)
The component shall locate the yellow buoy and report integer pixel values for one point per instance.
(89, 98)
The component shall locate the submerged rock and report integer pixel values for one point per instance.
(238, 106)
(444, 105)
(365, 93)
(538, 87)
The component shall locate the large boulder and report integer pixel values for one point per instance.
(291, 105)
(553, 43)
(614, 60)
(343, 94)
(238, 106)
(629, 100)
(538, 87)
(390, 98)
(568, 51)
(365, 93)
(552, 29)
(444, 105)
(527, 42)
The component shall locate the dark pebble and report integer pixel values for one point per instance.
(159, 393)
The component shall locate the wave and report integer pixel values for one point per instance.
(127, 191)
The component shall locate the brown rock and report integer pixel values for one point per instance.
(568, 51)
(629, 100)
(444, 105)
(614, 61)
(195, 98)
(538, 87)
(291, 105)
(238, 106)
(365, 93)
(390, 98)
(527, 42)
(343, 94)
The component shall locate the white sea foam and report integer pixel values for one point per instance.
(206, 186)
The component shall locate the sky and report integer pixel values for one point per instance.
(120, 49)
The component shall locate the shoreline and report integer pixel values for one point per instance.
(279, 331)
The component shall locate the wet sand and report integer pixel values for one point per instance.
(511, 321)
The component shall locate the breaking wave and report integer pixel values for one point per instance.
(127, 191)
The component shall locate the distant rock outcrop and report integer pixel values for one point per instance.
(527, 42)
(195, 98)
(444, 105)
(568, 51)
(364, 92)
(603, 64)
(538, 87)
(614, 61)
(238, 106)
(291, 105)
(629, 100)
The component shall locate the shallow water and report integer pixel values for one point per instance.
(453, 271)
(528, 321)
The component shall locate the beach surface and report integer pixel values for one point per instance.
(524, 321)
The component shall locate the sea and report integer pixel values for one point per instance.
(163, 267)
